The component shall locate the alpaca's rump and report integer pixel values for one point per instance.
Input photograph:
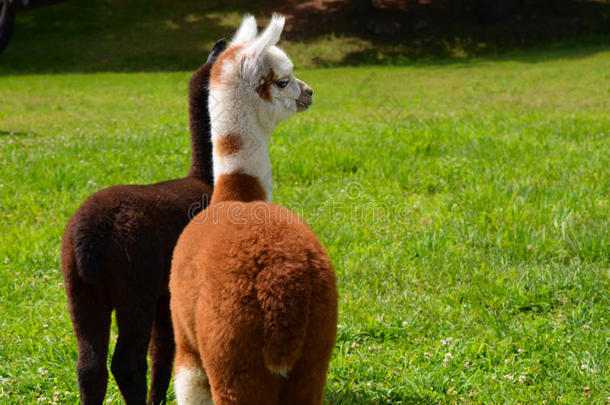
(90, 232)
(252, 287)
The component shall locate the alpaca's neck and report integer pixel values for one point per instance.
(199, 120)
(242, 167)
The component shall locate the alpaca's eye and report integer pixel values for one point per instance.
(282, 83)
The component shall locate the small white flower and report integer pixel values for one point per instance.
(584, 367)
(509, 377)
(522, 378)
(520, 351)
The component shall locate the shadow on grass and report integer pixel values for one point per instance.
(123, 35)
(448, 30)
(161, 35)
(568, 49)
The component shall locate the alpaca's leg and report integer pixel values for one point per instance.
(306, 381)
(230, 385)
(190, 380)
(129, 359)
(233, 359)
(90, 313)
(305, 385)
(161, 352)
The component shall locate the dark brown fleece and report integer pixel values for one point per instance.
(253, 293)
(116, 254)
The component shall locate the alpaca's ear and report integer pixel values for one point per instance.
(217, 49)
(246, 31)
(269, 37)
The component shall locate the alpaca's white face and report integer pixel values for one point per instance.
(279, 93)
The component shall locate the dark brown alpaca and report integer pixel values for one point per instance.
(253, 295)
(116, 255)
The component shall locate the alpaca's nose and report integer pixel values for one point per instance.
(308, 91)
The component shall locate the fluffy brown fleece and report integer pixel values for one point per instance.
(116, 255)
(238, 187)
(254, 304)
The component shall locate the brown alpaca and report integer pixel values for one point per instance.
(116, 255)
(253, 293)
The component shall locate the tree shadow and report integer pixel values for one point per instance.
(122, 35)
(401, 32)
(161, 35)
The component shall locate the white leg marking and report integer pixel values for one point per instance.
(191, 385)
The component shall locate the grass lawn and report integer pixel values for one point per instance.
(465, 205)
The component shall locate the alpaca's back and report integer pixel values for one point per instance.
(260, 290)
(133, 224)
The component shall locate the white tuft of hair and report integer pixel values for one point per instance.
(189, 385)
(267, 39)
(246, 31)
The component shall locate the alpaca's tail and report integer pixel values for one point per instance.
(284, 294)
(89, 238)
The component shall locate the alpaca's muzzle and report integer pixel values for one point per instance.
(305, 98)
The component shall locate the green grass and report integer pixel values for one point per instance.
(465, 206)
